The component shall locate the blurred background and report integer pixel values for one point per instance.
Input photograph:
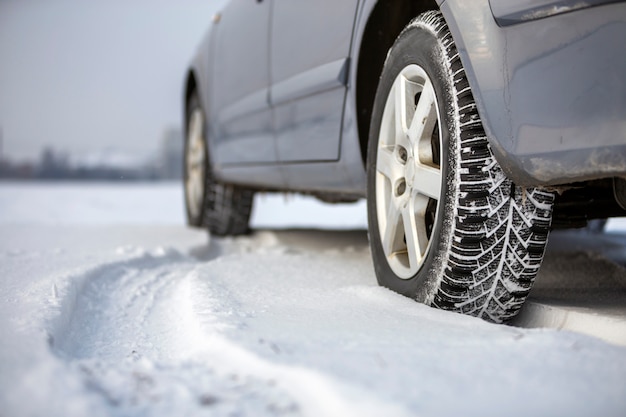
(91, 92)
(91, 89)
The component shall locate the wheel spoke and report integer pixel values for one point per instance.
(421, 207)
(196, 126)
(197, 157)
(425, 115)
(427, 181)
(410, 234)
(413, 219)
(400, 105)
(194, 173)
(387, 164)
(193, 180)
(192, 195)
(393, 232)
(193, 190)
(198, 186)
(403, 93)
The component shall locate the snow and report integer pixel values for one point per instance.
(158, 203)
(110, 306)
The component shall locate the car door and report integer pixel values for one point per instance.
(241, 127)
(310, 46)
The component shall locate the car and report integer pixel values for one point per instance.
(473, 129)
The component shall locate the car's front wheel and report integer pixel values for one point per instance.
(447, 227)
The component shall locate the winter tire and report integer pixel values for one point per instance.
(447, 227)
(222, 208)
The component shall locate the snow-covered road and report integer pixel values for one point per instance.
(101, 318)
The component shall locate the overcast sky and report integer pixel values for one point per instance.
(85, 75)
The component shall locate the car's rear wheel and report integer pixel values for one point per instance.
(224, 209)
(447, 227)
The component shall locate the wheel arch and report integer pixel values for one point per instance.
(385, 20)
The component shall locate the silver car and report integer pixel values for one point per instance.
(472, 128)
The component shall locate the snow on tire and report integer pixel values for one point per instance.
(224, 209)
(447, 227)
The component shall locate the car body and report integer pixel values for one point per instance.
(551, 89)
(288, 91)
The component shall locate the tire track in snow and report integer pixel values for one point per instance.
(104, 297)
(145, 335)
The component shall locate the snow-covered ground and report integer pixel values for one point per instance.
(110, 306)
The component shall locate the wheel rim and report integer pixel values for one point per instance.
(195, 163)
(408, 171)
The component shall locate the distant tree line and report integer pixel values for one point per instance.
(55, 165)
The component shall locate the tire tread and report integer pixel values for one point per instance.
(501, 230)
(227, 209)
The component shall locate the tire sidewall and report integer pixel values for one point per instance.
(417, 45)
